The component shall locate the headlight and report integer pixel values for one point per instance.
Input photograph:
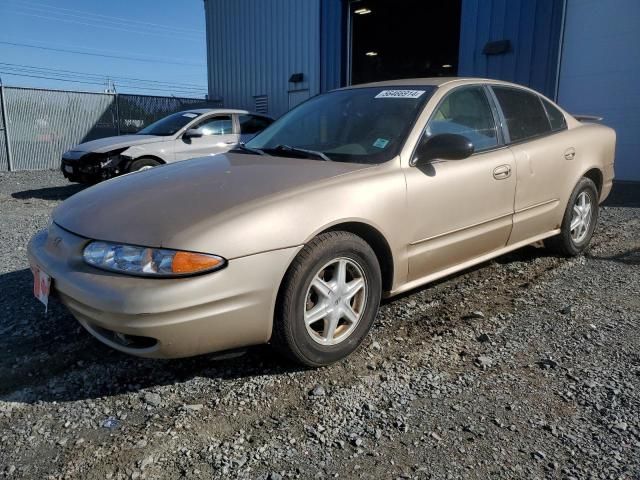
(149, 262)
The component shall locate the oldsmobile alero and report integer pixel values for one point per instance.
(293, 238)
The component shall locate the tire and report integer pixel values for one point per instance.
(571, 244)
(349, 315)
(142, 163)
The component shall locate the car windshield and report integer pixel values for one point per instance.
(361, 125)
(169, 125)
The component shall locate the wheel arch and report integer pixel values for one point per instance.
(595, 174)
(152, 157)
(378, 243)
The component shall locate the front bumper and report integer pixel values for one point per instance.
(164, 318)
(93, 167)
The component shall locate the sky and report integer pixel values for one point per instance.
(154, 47)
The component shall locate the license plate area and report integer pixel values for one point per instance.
(41, 285)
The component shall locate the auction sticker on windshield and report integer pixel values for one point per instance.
(190, 115)
(381, 143)
(41, 285)
(400, 94)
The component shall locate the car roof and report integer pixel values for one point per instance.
(222, 110)
(432, 81)
(214, 110)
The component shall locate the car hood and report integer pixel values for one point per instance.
(107, 144)
(168, 205)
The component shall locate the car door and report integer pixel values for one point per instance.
(542, 163)
(218, 135)
(250, 125)
(460, 210)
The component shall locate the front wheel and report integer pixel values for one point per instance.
(328, 300)
(143, 163)
(579, 221)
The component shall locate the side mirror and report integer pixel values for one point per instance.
(445, 146)
(192, 133)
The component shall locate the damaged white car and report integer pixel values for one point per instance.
(180, 136)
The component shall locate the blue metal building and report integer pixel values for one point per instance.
(270, 55)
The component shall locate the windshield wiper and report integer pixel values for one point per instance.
(303, 151)
(244, 148)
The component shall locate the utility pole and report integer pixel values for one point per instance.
(109, 86)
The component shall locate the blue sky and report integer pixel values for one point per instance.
(166, 37)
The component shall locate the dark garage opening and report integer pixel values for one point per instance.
(403, 39)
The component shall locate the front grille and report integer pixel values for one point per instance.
(87, 165)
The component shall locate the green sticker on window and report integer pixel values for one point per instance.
(381, 143)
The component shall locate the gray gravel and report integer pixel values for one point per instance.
(525, 367)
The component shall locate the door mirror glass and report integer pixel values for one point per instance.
(192, 133)
(445, 146)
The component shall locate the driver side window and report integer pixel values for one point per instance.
(220, 125)
(467, 112)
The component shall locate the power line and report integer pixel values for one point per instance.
(39, 44)
(87, 82)
(103, 80)
(111, 27)
(48, 78)
(27, 68)
(103, 55)
(78, 13)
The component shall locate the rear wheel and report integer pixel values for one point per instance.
(143, 163)
(328, 300)
(579, 220)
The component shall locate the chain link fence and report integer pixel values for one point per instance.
(38, 125)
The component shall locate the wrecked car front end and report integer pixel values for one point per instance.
(93, 167)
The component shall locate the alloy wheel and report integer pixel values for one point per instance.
(335, 301)
(581, 217)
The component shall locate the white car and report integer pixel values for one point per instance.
(180, 136)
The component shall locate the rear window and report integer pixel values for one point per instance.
(556, 117)
(525, 116)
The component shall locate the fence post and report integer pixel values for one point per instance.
(117, 98)
(5, 120)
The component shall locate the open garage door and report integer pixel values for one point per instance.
(402, 39)
(600, 67)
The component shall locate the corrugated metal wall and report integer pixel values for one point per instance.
(532, 26)
(333, 23)
(600, 71)
(254, 46)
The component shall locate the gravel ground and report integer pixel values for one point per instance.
(525, 367)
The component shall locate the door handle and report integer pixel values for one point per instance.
(502, 172)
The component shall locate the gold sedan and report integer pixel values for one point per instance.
(293, 238)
